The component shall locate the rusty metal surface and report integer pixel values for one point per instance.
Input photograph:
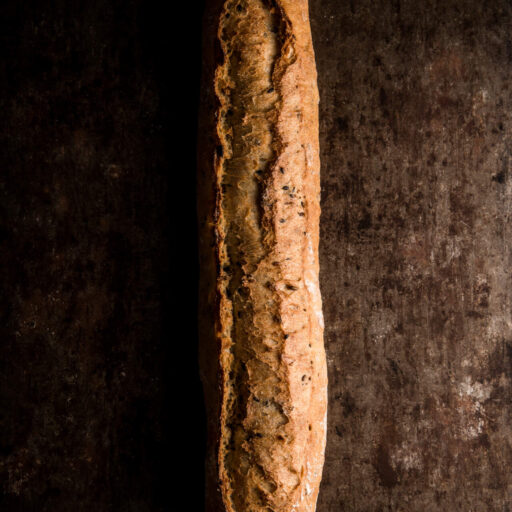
(415, 135)
(415, 253)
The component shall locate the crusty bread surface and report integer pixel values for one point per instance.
(260, 321)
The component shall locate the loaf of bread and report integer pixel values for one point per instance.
(262, 357)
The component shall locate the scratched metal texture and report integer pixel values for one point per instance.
(416, 253)
(98, 253)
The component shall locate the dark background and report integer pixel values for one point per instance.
(100, 401)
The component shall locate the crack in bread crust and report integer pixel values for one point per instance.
(254, 383)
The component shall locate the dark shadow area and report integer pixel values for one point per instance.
(100, 399)
(174, 50)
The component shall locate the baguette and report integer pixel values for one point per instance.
(262, 357)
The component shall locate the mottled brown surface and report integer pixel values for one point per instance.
(415, 138)
(415, 258)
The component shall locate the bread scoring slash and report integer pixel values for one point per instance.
(262, 357)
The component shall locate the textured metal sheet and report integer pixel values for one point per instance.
(415, 253)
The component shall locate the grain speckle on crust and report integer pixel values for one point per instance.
(272, 378)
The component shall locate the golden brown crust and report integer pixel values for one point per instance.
(262, 355)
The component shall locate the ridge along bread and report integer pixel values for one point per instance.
(262, 356)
